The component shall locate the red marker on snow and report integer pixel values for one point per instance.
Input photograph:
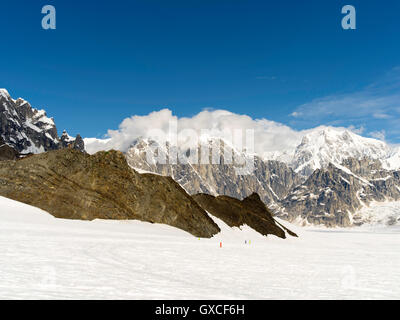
(220, 244)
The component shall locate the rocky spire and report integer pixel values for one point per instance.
(78, 143)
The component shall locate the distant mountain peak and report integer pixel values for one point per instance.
(324, 145)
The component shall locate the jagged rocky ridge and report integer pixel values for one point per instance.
(7, 152)
(29, 130)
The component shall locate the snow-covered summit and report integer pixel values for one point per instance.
(66, 137)
(324, 145)
(4, 93)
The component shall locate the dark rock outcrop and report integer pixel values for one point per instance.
(66, 141)
(74, 185)
(6, 152)
(78, 143)
(235, 213)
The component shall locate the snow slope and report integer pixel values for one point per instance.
(393, 161)
(43, 257)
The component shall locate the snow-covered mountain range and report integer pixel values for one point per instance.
(29, 130)
(330, 176)
(317, 148)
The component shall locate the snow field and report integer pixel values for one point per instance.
(43, 258)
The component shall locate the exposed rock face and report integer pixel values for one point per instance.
(74, 185)
(78, 143)
(28, 130)
(333, 196)
(235, 213)
(6, 152)
(272, 180)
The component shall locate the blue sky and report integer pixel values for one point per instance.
(287, 61)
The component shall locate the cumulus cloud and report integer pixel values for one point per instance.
(269, 136)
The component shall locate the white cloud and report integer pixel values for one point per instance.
(360, 130)
(269, 136)
(296, 114)
(378, 115)
(357, 105)
(380, 135)
(376, 104)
